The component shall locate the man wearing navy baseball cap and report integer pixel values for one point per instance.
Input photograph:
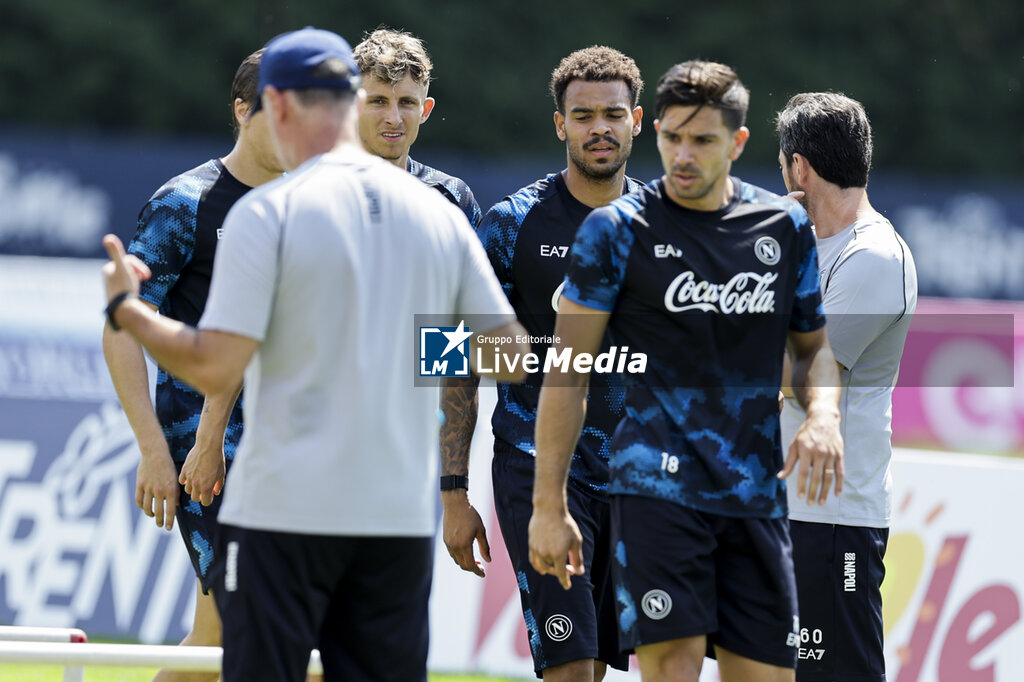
(310, 58)
(328, 514)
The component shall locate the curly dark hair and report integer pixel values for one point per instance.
(596, 63)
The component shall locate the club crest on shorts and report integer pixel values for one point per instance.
(656, 604)
(558, 627)
(767, 250)
(444, 351)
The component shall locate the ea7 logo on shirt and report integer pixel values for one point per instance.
(558, 627)
(767, 250)
(547, 250)
(656, 604)
(444, 351)
(667, 251)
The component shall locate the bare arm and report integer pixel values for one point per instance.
(460, 403)
(818, 446)
(204, 468)
(211, 361)
(461, 523)
(787, 376)
(156, 479)
(554, 536)
(786, 389)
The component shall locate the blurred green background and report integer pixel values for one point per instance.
(941, 80)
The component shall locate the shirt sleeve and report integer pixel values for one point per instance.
(480, 293)
(469, 206)
(498, 232)
(459, 193)
(245, 270)
(597, 262)
(863, 297)
(808, 314)
(165, 237)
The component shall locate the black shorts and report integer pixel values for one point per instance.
(563, 625)
(839, 574)
(361, 600)
(684, 573)
(198, 527)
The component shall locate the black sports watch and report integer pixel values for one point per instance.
(454, 482)
(112, 306)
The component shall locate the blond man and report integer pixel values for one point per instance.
(396, 77)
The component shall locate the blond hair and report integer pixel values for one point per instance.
(391, 55)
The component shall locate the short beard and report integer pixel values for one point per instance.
(791, 186)
(603, 172)
(693, 194)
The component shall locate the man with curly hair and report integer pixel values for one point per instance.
(712, 279)
(396, 75)
(527, 236)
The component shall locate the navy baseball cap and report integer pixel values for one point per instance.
(291, 59)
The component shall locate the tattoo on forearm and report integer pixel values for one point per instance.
(459, 404)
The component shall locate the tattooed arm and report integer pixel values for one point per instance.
(462, 523)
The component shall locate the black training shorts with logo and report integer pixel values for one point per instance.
(360, 600)
(684, 573)
(839, 574)
(563, 625)
(198, 527)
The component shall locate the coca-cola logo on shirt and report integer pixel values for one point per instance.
(746, 292)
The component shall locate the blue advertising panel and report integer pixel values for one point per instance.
(75, 551)
(62, 191)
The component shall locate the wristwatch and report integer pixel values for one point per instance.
(454, 482)
(112, 306)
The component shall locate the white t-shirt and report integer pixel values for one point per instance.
(326, 268)
(869, 290)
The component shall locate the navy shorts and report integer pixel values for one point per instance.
(362, 601)
(198, 527)
(682, 573)
(839, 574)
(563, 625)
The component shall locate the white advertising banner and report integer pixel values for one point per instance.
(955, 569)
(952, 594)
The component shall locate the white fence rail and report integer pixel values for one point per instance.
(75, 657)
(17, 633)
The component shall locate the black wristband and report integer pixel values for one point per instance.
(454, 482)
(112, 306)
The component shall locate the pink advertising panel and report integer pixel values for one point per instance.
(961, 384)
